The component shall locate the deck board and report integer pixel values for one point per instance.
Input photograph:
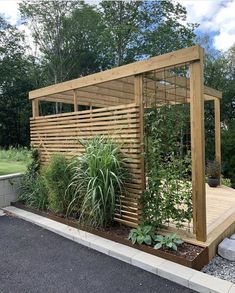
(220, 204)
(220, 210)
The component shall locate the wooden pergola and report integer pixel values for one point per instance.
(115, 104)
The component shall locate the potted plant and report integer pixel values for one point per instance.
(213, 173)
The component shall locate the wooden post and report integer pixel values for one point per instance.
(75, 100)
(217, 132)
(35, 108)
(198, 149)
(138, 91)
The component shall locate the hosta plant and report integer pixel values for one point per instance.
(170, 241)
(142, 234)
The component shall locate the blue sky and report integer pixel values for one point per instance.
(216, 18)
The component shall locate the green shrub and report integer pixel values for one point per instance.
(142, 234)
(98, 180)
(226, 182)
(35, 193)
(170, 241)
(33, 190)
(16, 154)
(58, 175)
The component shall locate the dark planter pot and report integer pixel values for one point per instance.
(213, 182)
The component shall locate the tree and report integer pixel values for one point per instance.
(83, 44)
(15, 82)
(220, 74)
(165, 28)
(140, 29)
(121, 32)
(67, 36)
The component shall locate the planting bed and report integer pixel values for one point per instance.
(189, 255)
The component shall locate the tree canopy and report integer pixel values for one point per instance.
(72, 39)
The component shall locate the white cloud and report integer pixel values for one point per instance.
(10, 10)
(215, 17)
(199, 10)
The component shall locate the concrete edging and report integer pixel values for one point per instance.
(9, 188)
(182, 275)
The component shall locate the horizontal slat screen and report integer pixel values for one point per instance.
(60, 134)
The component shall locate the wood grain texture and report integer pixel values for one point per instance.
(158, 62)
(198, 149)
(61, 134)
(217, 131)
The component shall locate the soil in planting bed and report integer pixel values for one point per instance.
(187, 254)
(186, 250)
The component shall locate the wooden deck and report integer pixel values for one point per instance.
(220, 210)
(220, 206)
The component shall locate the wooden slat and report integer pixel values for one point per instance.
(61, 134)
(81, 119)
(95, 112)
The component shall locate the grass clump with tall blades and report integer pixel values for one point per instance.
(99, 180)
(58, 176)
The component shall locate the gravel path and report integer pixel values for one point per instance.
(221, 268)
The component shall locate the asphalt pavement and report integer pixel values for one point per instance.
(36, 260)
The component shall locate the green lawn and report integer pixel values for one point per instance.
(14, 160)
(9, 167)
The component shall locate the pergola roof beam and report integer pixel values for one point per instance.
(170, 59)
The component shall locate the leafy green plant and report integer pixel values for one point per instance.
(98, 180)
(213, 169)
(33, 189)
(16, 154)
(226, 182)
(34, 167)
(142, 234)
(170, 241)
(35, 193)
(58, 175)
(168, 194)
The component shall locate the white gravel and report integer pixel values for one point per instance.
(221, 268)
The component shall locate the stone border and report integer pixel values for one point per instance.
(182, 275)
(9, 176)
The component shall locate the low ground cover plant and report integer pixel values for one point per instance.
(146, 235)
(170, 241)
(142, 234)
